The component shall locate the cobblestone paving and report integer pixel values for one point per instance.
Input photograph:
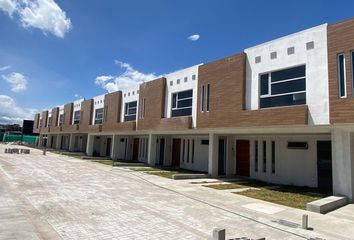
(82, 200)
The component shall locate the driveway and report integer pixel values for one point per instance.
(59, 197)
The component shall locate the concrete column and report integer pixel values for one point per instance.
(342, 163)
(58, 142)
(115, 145)
(152, 150)
(89, 145)
(213, 155)
(230, 156)
(72, 143)
(168, 151)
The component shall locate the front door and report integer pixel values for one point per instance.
(243, 158)
(222, 156)
(108, 146)
(162, 151)
(176, 152)
(324, 165)
(135, 149)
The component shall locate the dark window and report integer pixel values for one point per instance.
(264, 156)
(183, 149)
(61, 119)
(49, 121)
(188, 142)
(99, 116)
(182, 103)
(142, 109)
(353, 72)
(341, 75)
(264, 84)
(204, 142)
(283, 88)
(291, 50)
(256, 156)
(298, 145)
(77, 115)
(193, 151)
(202, 98)
(273, 157)
(130, 111)
(208, 97)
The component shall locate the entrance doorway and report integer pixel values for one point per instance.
(222, 156)
(324, 165)
(161, 151)
(135, 149)
(108, 147)
(176, 152)
(243, 158)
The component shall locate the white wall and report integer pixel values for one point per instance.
(129, 95)
(61, 111)
(292, 166)
(200, 153)
(182, 86)
(98, 102)
(76, 107)
(316, 69)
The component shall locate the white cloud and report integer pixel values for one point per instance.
(42, 14)
(10, 112)
(128, 78)
(77, 95)
(17, 81)
(194, 37)
(4, 68)
(8, 6)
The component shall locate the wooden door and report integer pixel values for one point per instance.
(135, 149)
(108, 147)
(324, 166)
(243, 158)
(176, 152)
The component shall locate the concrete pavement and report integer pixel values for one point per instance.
(56, 196)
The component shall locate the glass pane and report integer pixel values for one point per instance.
(341, 75)
(182, 112)
(174, 100)
(132, 104)
(286, 100)
(129, 118)
(295, 72)
(184, 103)
(288, 87)
(185, 94)
(264, 84)
(131, 111)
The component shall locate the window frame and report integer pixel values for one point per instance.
(182, 99)
(344, 76)
(61, 119)
(352, 68)
(75, 121)
(202, 88)
(99, 120)
(126, 111)
(208, 97)
(270, 84)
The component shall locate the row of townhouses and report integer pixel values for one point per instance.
(281, 112)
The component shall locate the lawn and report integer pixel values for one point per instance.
(237, 185)
(165, 172)
(104, 161)
(296, 197)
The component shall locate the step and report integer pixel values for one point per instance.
(182, 176)
(327, 204)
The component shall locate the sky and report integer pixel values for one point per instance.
(53, 52)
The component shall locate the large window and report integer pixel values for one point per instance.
(61, 119)
(208, 97)
(283, 88)
(49, 121)
(341, 76)
(77, 115)
(182, 103)
(130, 111)
(353, 72)
(99, 116)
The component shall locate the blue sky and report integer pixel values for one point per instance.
(84, 48)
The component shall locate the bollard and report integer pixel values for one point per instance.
(219, 234)
(44, 151)
(305, 221)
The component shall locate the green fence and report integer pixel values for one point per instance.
(23, 138)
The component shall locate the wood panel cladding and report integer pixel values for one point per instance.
(227, 99)
(44, 128)
(36, 123)
(86, 114)
(340, 39)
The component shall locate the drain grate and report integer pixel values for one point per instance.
(286, 223)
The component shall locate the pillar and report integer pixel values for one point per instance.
(213, 155)
(58, 142)
(49, 141)
(89, 145)
(342, 163)
(152, 150)
(115, 145)
(72, 143)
